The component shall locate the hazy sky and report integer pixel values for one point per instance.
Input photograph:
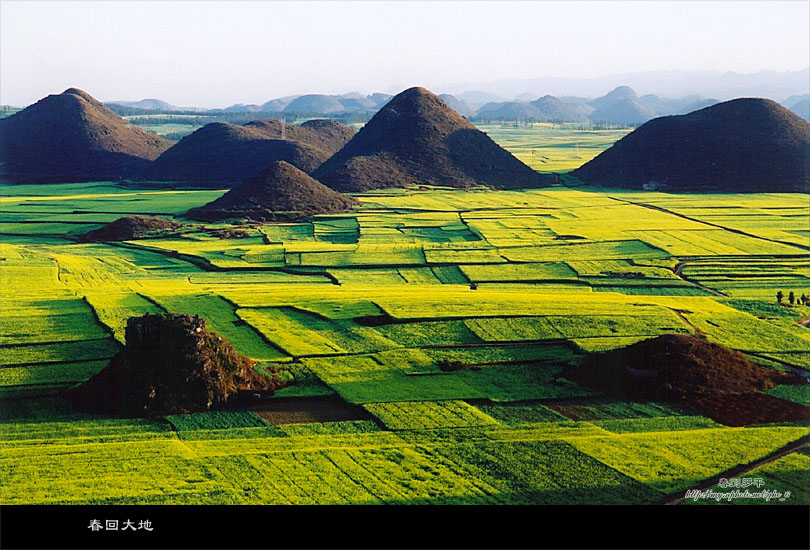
(213, 54)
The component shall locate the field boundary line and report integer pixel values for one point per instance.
(696, 220)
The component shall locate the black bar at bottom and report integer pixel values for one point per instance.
(357, 527)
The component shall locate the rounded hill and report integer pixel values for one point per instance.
(72, 137)
(327, 135)
(618, 93)
(417, 138)
(746, 145)
(223, 154)
(314, 103)
(720, 383)
(130, 227)
(671, 366)
(282, 192)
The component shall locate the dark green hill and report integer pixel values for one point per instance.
(417, 139)
(222, 153)
(282, 192)
(72, 137)
(324, 134)
(748, 145)
(130, 227)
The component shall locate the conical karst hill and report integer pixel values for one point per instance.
(417, 138)
(72, 137)
(282, 192)
(222, 153)
(748, 145)
(130, 227)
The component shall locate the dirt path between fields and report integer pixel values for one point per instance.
(680, 496)
(677, 271)
(680, 313)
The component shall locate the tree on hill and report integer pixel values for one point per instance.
(171, 364)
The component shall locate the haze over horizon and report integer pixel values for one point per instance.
(215, 54)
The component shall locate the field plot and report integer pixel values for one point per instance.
(427, 335)
(429, 332)
(304, 334)
(32, 321)
(81, 350)
(420, 415)
(549, 147)
(674, 460)
(546, 472)
(114, 309)
(787, 475)
(222, 320)
(45, 378)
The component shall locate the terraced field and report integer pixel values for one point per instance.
(426, 333)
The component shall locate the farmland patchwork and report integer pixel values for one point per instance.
(426, 335)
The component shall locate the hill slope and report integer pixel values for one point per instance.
(457, 105)
(327, 135)
(130, 227)
(417, 138)
(279, 193)
(223, 153)
(72, 137)
(744, 145)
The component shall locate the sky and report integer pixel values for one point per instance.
(214, 54)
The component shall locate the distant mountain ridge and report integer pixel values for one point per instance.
(546, 108)
(153, 105)
(799, 104)
(671, 83)
(667, 93)
(619, 106)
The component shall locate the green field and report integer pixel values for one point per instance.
(369, 309)
(551, 147)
